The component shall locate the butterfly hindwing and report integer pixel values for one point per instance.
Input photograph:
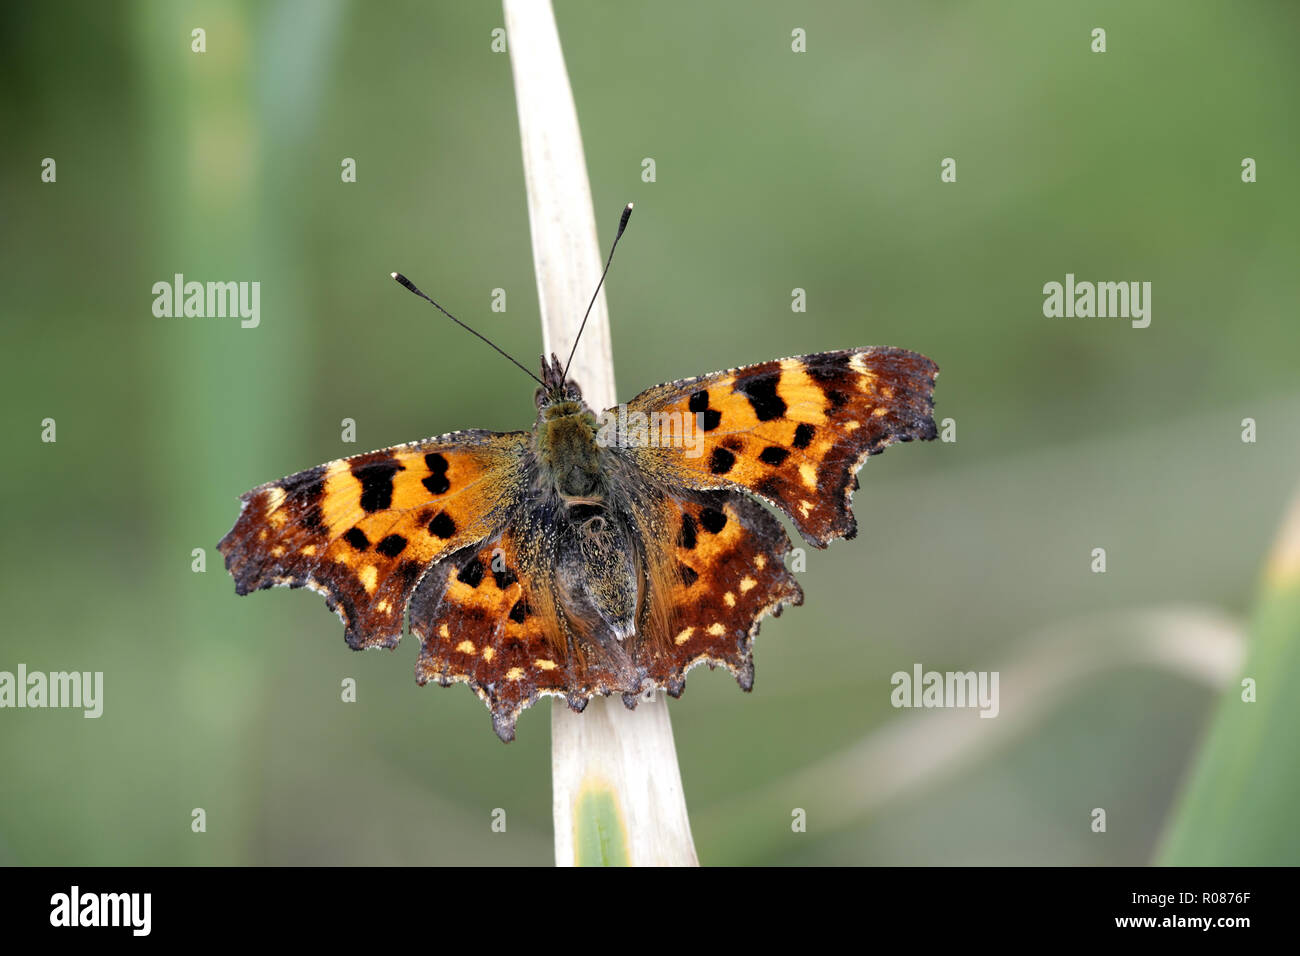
(476, 625)
(489, 616)
(364, 530)
(730, 572)
(793, 431)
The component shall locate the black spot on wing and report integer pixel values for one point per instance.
(803, 436)
(687, 537)
(376, 478)
(391, 546)
(472, 573)
(699, 404)
(761, 392)
(721, 461)
(442, 525)
(712, 520)
(688, 573)
(773, 455)
(357, 538)
(437, 482)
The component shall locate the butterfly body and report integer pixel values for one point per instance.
(594, 554)
(567, 453)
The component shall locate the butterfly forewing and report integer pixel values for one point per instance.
(363, 530)
(793, 431)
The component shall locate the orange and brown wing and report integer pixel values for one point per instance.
(364, 530)
(729, 573)
(794, 431)
(489, 616)
(476, 625)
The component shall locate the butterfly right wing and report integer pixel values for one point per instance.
(727, 572)
(792, 431)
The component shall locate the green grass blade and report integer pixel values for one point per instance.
(599, 832)
(1239, 806)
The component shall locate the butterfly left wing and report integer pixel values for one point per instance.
(793, 431)
(363, 530)
(489, 615)
(476, 625)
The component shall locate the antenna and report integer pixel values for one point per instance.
(622, 224)
(411, 286)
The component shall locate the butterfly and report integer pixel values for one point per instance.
(595, 553)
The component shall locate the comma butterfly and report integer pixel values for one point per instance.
(593, 554)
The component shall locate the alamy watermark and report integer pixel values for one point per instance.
(950, 689)
(1102, 300)
(72, 689)
(210, 300)
(75, 908)
(621, 428)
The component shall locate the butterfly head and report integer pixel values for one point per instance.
(557, 397)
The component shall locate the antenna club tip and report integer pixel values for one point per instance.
(392, 275)
(406, 283)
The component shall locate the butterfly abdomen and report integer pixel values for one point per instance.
(599, 572)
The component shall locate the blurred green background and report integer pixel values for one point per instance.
(775, 170)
